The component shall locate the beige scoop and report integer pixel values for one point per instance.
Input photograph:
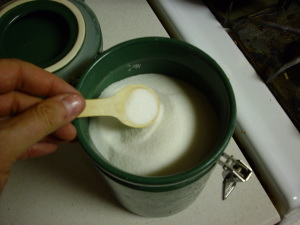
(135, 106)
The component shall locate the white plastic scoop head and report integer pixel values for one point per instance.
(135, 106)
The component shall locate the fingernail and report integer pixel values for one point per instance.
(73, 104)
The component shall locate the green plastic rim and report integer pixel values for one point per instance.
(165, 56)
(48, 34)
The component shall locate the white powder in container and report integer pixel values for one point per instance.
(180, 137)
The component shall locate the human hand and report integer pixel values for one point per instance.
(32, 126)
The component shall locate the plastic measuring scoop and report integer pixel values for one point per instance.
(135, 106)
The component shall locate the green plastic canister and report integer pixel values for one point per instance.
(159, 196)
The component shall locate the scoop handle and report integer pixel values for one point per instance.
(99, 107)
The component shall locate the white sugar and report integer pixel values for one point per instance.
(141, 106)
(180, 137)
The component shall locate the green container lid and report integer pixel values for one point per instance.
(58, 35)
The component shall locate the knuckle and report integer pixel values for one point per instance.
(47, 115)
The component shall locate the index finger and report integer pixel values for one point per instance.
(25, 77)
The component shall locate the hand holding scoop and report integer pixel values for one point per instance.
(135, 106)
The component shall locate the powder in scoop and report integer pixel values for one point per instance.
(141, 106)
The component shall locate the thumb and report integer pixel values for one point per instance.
(37, 122)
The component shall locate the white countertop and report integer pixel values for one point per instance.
(64, 188)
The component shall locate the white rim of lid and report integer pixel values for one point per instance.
(80, 35)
